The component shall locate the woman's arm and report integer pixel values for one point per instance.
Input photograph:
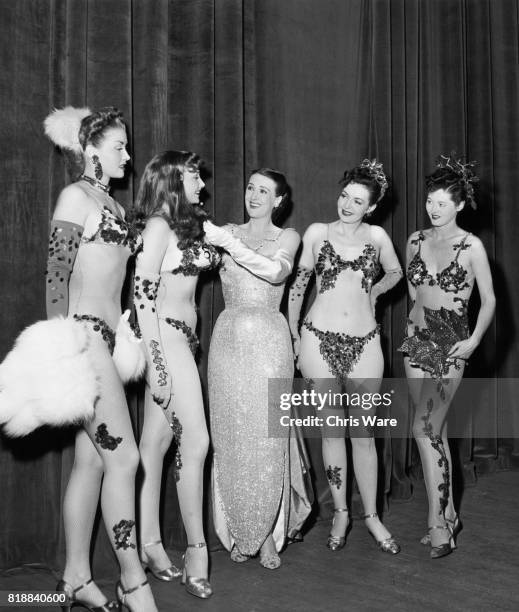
(409, 254)
(147, 280)
(274, 269)
(483, 276)
(298, 288)
(66, 230)
(389, 262)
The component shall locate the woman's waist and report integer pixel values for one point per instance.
(344, 320)
(109, 312)
(188, 313)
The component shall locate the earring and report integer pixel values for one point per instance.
(98, 169)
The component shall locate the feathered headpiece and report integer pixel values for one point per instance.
(376, 171)
(464, 171)
(62, 126)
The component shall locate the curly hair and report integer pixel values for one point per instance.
(161, 187)
(91, 131)
(450, 181)
(363, 176)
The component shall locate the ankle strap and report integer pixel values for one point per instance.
(81, 586)
(340, 509)
(133, 589)
(199, 545)
(439, 527)
(151, 543)
(372, 515)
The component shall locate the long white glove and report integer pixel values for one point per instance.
(273, 269)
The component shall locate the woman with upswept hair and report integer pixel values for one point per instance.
(443, 264)
(338, 344)
(259, 499)
(174, 253)
(89, 247)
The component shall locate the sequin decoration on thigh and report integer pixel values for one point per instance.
(105, 440)
(123, 533)
(182, 326)
(443, 462)
(341, 351)
(100, 326)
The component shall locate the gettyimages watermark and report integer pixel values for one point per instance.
(392, 406)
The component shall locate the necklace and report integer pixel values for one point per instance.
(95, 183)
(246, 237)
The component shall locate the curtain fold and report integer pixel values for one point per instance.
(310, 87)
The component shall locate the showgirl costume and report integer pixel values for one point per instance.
(63, 357)
(433, 328)
(167, 298)
(257, 479)
(342, 351)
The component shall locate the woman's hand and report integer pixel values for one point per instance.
(215, 235)
(161, 391)
(463, 349)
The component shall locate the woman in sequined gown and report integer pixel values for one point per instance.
(89, 247)
(166, 276)
(442, 264)
(252, 485)
(340, 337)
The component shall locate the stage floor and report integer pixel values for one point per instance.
(481, 575)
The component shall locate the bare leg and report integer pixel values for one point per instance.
(431, 438)
(112, 435)
(186, 412)
(79, 509)
(313, 367)
(365, 377)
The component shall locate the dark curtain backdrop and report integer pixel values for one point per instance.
(308, 86)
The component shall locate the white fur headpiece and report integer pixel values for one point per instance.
(62, 126)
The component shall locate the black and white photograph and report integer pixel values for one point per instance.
(259, 338)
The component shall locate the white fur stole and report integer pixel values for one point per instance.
(47, 378)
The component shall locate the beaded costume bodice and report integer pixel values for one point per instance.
(451, 279)
(113, 231)
(197, 256)
(330, 264)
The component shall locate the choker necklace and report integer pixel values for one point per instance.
(95, 183)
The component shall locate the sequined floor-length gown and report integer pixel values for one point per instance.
(257, 480)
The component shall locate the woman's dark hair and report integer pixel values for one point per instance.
(447, 179)
(363, 176)
(93, 126)
(161, 183)
(92, 131)
(282, 189)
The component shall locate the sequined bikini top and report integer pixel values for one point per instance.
(451, 279)
(329, 265)
(113, 230)
(197, 256)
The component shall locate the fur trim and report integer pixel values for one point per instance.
(47, 378)
(129, 357)
(62, 126)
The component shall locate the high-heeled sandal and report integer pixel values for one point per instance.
(335, 543)
(199, 587)
(70, 593)
(270, 560)
(443, 549)
(389, 545)
(455, 527)
(165, 575)
(237, 556)
(122, 593)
